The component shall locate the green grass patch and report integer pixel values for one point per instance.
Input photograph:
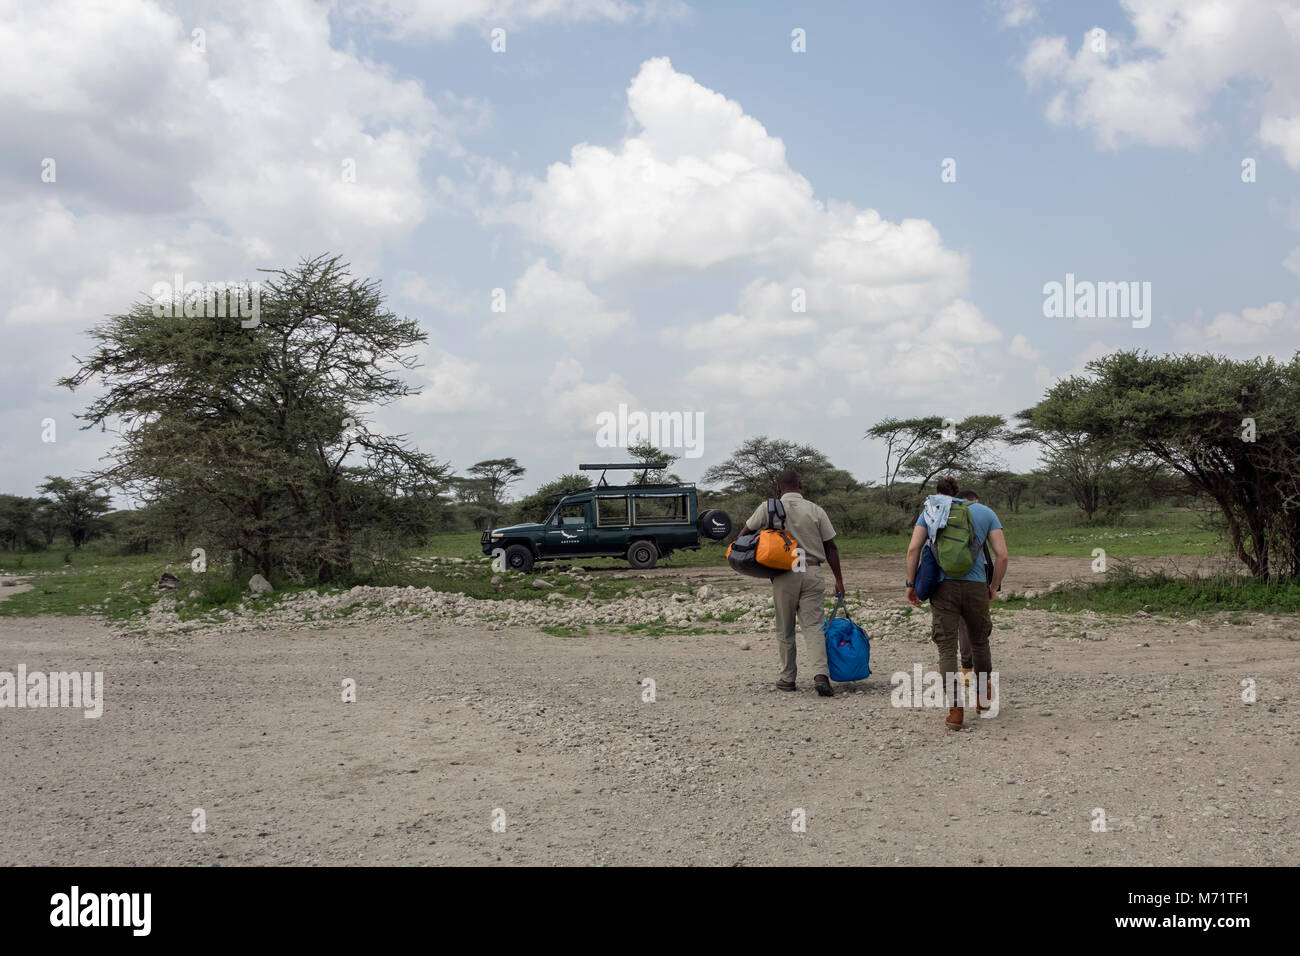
(565, 630)
(1125, 592)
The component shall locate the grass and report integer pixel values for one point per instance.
(1125, 592)
(93, 581)
(1031, 532)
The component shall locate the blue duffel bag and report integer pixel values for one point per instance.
(927, 574)
(848, 649)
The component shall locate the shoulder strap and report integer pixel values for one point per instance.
(774, 507)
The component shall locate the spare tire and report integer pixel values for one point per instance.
(715, 525)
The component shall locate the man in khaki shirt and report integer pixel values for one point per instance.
(802, 594)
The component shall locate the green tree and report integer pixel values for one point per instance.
(78, 506)
(645, 452)
(1230, 428)
(20, 523)
(260, 429)
(538, 505)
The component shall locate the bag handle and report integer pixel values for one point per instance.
(774, 507)
(839, 606)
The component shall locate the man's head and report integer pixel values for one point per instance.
(968, 495)
(788, 480)
(947, 486)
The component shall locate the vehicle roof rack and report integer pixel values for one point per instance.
(645, 467)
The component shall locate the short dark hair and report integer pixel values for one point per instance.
(947, 486)
(969, 495)
(788, 480)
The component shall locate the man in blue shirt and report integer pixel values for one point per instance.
(964, 599)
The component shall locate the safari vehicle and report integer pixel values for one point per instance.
(641, 522)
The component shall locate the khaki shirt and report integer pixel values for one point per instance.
(806, 521)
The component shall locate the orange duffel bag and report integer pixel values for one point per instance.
(767, 552)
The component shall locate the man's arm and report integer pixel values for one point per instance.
(833, 559)
(919, 536)
(997, 542)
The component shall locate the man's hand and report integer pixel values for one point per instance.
(912, 599)
(993, 594)
(839, 586)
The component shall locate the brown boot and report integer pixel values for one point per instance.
(983, 701)
(955, 716)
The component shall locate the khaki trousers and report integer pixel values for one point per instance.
(952, 604)
(800, 595)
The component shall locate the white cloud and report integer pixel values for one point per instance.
(543, 299)
(450, 384)
(701, 184)
(1015, 13)
(573, 403)
(838, 408)
(1292, 261)
(212, 163)
(1252, 329)
(960, 321)
(415, 19)
(1159, 87)
(1021, 348)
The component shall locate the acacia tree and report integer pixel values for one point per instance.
(752, 468)
(1231, 428)
(643, 451)
(903, 437)
(259, 430)
(77, 507)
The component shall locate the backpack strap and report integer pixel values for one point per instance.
(775, 508)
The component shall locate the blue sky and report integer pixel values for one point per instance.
(648, 183)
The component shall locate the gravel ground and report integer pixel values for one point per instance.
(457, 723)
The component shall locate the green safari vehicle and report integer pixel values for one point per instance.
(641, 522)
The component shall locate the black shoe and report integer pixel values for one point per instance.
(785, 685)
(823, 685)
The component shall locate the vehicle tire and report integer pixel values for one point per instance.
(642, 554)
(714, 524)
(519, 558)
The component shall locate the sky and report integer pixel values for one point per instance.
(792, 220)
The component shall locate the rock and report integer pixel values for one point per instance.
(9, 583)
(126, 586)
(1093, 636)
(706, 592)
(1029, 594)
(496, 579)
(540, 583)
(192, 594)
(259, 585)
(169, 581)
(555, 597)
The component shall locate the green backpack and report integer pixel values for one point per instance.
(955, 546)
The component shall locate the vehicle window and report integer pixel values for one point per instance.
(611, 511)
(661, 509)
(572, 514)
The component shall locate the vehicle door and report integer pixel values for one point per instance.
(609, 534)
(567, 530)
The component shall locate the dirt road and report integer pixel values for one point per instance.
(454, 727)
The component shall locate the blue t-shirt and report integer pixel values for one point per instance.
(983, 519)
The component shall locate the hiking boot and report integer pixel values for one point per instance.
(823, 685)
(982, 702)
(785, 685)
(954, 720)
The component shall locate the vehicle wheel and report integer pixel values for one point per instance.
(519, 558)
(714, 524)
(642, 554)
